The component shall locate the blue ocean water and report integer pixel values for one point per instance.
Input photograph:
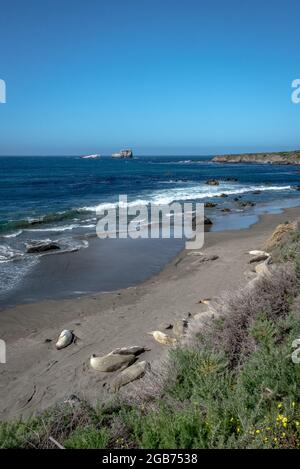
(57, 197)
(50, 190)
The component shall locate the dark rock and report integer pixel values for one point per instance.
(227, 210)
(169, 326)
(207, 221)
(212, 182)
(223, 195)
(210, 204)
(41, 246)
(246, 203)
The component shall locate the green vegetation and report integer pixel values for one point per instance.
(290, 251)
(236, 386)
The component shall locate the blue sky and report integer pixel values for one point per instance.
(160, 76)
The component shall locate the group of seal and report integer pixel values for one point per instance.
(123, 359)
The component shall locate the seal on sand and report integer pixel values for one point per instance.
(66, 338)
(163, 338)
(133, 350)
(131, 373)
(111, 362)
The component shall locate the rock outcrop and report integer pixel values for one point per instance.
(210, 205)
(41, 246)
(207, 221)
(245, 203)
(212, 182)
(288, 157)
(123, 154)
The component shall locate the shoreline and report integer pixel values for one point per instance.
(99, 266)
(37, 375)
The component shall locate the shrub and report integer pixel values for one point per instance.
(88, 437)
(231, 384)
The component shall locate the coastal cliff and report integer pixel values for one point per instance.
(288, 157)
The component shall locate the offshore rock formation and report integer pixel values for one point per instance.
(288, 157)
(123, 154)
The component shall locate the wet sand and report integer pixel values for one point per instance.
(106, 265)
(36, 375)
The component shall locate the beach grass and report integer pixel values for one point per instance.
(231, 385)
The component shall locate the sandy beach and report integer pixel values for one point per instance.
(37, 375)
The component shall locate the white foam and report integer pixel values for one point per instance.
(55, 228)
(198, 192)
(112, 205)
(8, 254)
(13, 235)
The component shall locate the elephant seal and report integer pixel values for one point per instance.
(258, 253)
(111, 362)
(134, 350)
(66, 338)
(131, 373)
(163, 338)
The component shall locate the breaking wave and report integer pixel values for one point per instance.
(183, 194)
(158, 197)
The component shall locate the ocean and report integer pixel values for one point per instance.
(57, 197)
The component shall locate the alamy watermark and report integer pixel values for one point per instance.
(2, 92)
(2, 351)
(296, 93)
(181, 220)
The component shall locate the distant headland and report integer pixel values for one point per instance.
(285, 157)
